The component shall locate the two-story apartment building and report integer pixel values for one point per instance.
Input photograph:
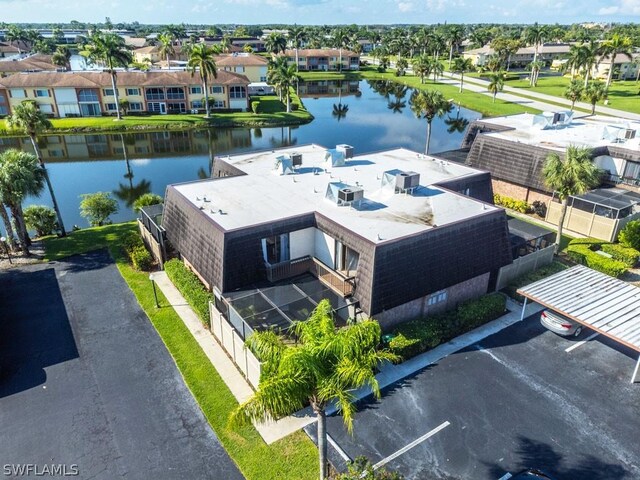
(324, 59)
(81, 94)
(254, 67)
(524, 55)
(396, 233)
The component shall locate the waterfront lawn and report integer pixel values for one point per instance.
(292, 457)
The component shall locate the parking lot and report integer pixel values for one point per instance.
(522, 398)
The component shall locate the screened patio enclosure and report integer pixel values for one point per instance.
(277, 306)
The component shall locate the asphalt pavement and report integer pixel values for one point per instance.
(85, 380)
(514, 400)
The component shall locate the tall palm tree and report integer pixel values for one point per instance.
(201, 60)
(574, 92)
(341, 39)
(588, 58)
(29, 120)
(110, 50)
(574, 174)
(454, 35)
(20, 176)
(613, 46)
(595, 92)
(436, 68)
(284, 77)
(496, 84)
(61, 56)
(297, 36)
(11, 239)
(535, 35)
(421, 66)
(166, 47)
(429, 104)
(15, 34)
(325, 366)
(275, 43)
(461, 66)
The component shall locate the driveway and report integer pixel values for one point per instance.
(85, 380)
(514, 400)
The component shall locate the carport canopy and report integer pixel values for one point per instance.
(598, 301)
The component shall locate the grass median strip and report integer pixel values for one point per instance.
(291, 457)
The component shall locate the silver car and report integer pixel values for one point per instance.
(560, 324)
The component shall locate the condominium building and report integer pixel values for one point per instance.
(324, 59)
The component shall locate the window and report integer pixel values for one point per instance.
(175, 93)
(216, 89)
(87, 95)
(46, 108)
(135, 106)
(133, 91)
(218, 104)
(41, 93)
(346, 259)
(110, 106)
(195, 90)
(240, 69)
(237, 92)
(197, 104)
(276, 249)
(107, 92)
(156, 107)
(263, 79)
(437, 297)
(4, 110)
(17, 93)
(155, 94)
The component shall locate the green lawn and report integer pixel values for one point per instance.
(472, 100)
(275, 116)
(291, 457)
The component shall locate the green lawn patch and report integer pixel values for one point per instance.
(292, 457)
(523, 280)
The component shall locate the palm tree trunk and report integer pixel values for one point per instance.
(322, 441)
(426, 150)
(593, 108)
(573, 104)
(21, 224)
(11, 239)
(21, 230)
(340, 59)
(494, 96)
(115, 93)
(297, 60)
(637, 73)
(206, 96)
(461, 80)
(610, 76)
(586, 78)
(563, 213)
(288, 95)
(450, 55)
(36, 149)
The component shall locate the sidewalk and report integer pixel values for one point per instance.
(389, 374)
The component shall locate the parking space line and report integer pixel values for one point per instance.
(582, 342)
(338, 449)
(409, 446)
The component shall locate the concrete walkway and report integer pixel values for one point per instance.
(389, 374)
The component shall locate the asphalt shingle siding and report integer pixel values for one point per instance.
(436, 259)
(479, 186)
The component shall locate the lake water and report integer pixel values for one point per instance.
(377, 117)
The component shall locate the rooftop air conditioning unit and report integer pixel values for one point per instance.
(407, 181)
(296, 159)
(629, 133)
(346, 149)
(350, 194)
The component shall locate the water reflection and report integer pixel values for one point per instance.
(328, 88)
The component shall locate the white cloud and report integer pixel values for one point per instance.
(608, 10)
(405, 6)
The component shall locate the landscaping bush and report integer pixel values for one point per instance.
(539, 208)
(130, 241)
(255, 106)
(416, 336)
(583, 254)
(190, 287)
(627, 255)
(141, 258)
(512, 204)
(630, 235)
(41, 219)
(146, 200)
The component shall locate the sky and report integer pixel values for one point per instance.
(319, 12)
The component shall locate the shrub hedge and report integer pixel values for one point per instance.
(627, 255)
(190, 287)
(416, 336)
(585, 254)
(630, 234)
(135, 249)
(511, 203)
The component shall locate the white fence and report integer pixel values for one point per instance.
(522, 265)
(227, 336)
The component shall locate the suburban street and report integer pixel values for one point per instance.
(87, 381)
(515, 400)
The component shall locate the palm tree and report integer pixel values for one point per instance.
(457, 124)
(588, 58)
(61, 56)
(166, 47)
(455, 35)
(297, 35)
(535, 68)
(534, 35)
(595, 92)
(396, 105)
(496, 84)
(436, 68)
(574, 174)
(421, 67)
(341, 39)
(275, 43)
(201, 60)
(15, 34)
(20, 176)
(324, 366)
(110, 50)
(612, 47)
(429, 104)
(28, 119)
(460, 66)
(401, 66)
(284, 77)
(11, 239)
(574, 60)
(574, 92)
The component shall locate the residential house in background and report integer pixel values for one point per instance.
(524, 56)
(393, 234)
(81, 94)
(323, 59)
(254, 67)
(33, 63)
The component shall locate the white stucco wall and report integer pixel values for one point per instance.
(302, 243)
(614, 166)
(324, 248)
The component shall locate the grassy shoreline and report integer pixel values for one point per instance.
(292, 457)
(272, 114)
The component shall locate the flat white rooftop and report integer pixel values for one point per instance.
(592, 131)
(264, 195)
